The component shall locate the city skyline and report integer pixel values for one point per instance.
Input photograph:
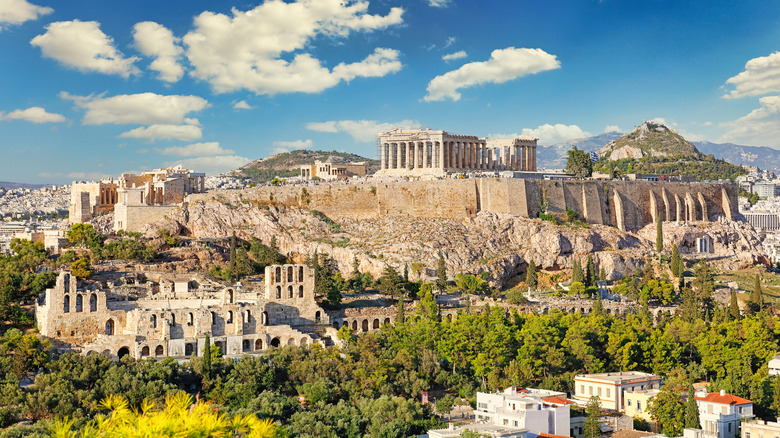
(100, 89)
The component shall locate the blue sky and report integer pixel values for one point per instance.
(97, 88)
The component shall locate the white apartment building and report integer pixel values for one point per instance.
(535, 410)
(773, 366)
(610, 388)
(720, 414)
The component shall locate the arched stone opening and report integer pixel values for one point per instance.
(145, 351)
(275, 342)
(278, 274)
(79, 303)
(300, 291)
(230, 296)
(291, 341)
(110, 327)
(66, 304)
(159, 351)
(264, 318)
(258, 345)
(289, 274)
(229, 317)
(289, 291)
(188, 349)
(354, 325)
(387, 321)
(335, 325)
(318, 317)
(304, 342)
(246, 345)
(364, 325)
(449, 317)
(376, 323)
(190, 319)
(93, 303)
(153, 321)
(124, 351)
(278, 292)
(300, 273)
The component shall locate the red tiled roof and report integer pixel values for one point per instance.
(727, 399)
(558, 401)
(549, 435)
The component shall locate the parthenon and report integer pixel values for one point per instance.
(407, 152)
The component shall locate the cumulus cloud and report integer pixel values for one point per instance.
(453, 56)
(155, 40)
(164, 132)
(761, 127)
(287, 146)
(241, 104)
(261, 49)
(142, 109)
(612, 128)
(197, 150)
(19, 11)
(761, 76)
(503, 65)
(83, 46)
(550, 134)
(439, 3)
(79, 176)
(33, 114)
(212, 165)
(360, 130)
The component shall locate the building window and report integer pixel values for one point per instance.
(628, 402)
(79, 303)
(229, 317)
(599, 391)
(66, 304)
(582, 389)
(190, 319)
(93, 303)
(607, 392)
(590, 390)
(153, 321)
(638, 405)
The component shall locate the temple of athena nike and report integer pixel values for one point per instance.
(411, 152)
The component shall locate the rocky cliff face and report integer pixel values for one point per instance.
(649, 139)
(500, 244)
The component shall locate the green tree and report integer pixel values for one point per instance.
(590, 272)
(579, 163)
(734, 305)
(444, 405)
(81, 268)
(233, 254)
(676, 263)
(757, 295)
(691, 411)
(206, 359)
(400, 316)
(667, 410)
(659, 234)
(530, 275)
(576, 273)
(593, 418)
(390, 282)
(602, 274)
(441, 274)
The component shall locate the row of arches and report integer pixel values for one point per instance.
(289, 278)
(79, 303)
(290, 292)
(365, 325)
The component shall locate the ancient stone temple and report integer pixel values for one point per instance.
(410, 152)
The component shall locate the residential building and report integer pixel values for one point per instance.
(774, 366)
(720, 414)
(490, 430)
(611, 388)
(535, 410)
(637, 401)
(760, 429)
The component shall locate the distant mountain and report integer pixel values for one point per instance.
(554, 156)
(761, 156)
(649, 140)
(14, 185)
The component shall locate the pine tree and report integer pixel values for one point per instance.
(590, 272)
(659, 235)
(734, 305)
(530, 275)
(691, 411)
(207, 358)
(441, 273)
(592, 420)
(576, 273)
(757, 296)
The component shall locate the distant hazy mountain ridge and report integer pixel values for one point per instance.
(649, 140)
(288, 164)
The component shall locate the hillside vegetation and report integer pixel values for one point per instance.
(287, 164)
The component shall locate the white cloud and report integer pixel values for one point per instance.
(287, 146)
(761, 127)
(197, 150)
(79, 176)
(361, 130)
(212, 165)
(19, 11)
(261, 50)
(662, 121)
(155, 40)
(142, 109)
(761, 76)
(33, 114)
(439, 3)
(550, 134)
(612, 128)
(241, 104)
(164, 132)
(82, 45)
(453, 56)
(707, 123)
(503, 65)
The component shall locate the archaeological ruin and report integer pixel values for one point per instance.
(415, 152)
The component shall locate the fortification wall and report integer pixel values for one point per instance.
(625, 204)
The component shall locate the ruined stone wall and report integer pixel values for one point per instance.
(134, 217)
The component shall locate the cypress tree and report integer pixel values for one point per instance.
(233, 253)
(676, 262)
(734, 305)
(406, 272)
(441, 273)
(659, 235)
(576, 273)
(207, 359)
(691, 411)
(602, 274)
(757, 297)
(400, 317)
(590, 272)
(530, 275)
(592, 423)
